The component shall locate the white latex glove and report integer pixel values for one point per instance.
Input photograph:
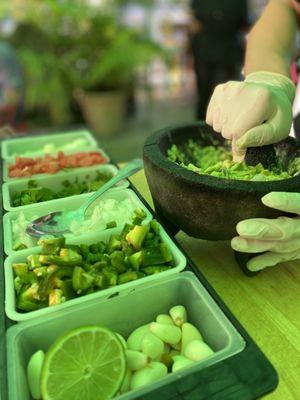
(252, 113)
(279, 238)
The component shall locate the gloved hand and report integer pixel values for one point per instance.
(252, 113)
(279, 238)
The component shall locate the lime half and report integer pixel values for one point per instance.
(86, 363)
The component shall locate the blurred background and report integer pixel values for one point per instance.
(123, 68)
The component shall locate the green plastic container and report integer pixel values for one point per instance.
(54, 182)
(33, 146)
(68, 203)
(9, 161)
(123, 313)
(21, 256)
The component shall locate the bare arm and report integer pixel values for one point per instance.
(271, 42)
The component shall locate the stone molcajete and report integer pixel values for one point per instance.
(204, 206)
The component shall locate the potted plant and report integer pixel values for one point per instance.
(71, 49)
(105, 81)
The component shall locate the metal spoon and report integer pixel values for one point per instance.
(58, 222)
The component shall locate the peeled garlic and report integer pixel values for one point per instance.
(34, 370)
(152, 346)
(167, 348)
(173, 353)
(197, 350)
(167, 333)
(164, 319)
(150, 373)
(181, 362)
(177, 346)
(189, 333)
(135, 359)
(134, 340)
(178, 314)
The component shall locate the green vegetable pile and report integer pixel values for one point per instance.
(167, 344)
(61, 272)
(36, 193)
(217, 161)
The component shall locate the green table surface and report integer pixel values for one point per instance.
(267, 305)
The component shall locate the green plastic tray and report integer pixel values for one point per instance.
(21, 256)
(67, 203)
(33, 146)
(54, 182)
(10, 161)
(123, 314)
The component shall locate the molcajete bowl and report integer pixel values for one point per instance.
(204, 206)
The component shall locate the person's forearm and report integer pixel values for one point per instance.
(271, 42)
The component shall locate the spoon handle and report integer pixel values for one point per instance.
(131, 168)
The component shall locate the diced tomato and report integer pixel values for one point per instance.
(48, 164)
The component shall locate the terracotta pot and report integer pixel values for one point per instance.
(103, 111)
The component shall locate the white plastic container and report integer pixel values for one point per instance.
(65, 204)
(55, 183)
(33, 146)
(123, 313)
(21, 256)
(10, 161)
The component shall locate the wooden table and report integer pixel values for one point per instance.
(267, 305)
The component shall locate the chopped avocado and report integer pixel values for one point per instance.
(125, 230)
(99, 265)
(128, 277)
(56, 297)
(93, 258)
(51, 244)
(25, 304)
(20, 269)
(84, 250)
(111, 276)
(18, 284)
(139, 216)
(52, 268)
(117, 261)
(155, 227)
(64, 272)
(46, 284)
(159, 254)
(67, 288)
(34, 261)
(114, 244)
(70, 257)
(66, 258)
(136, 236)
(127, 248)
(101, 281)
(93, 248)
(101, 247)
(135, 260)
(40, 271)
(31, 293)
(49, 279)
(28, 278)
(81, 280)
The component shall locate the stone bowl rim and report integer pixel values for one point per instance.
(153, 151)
